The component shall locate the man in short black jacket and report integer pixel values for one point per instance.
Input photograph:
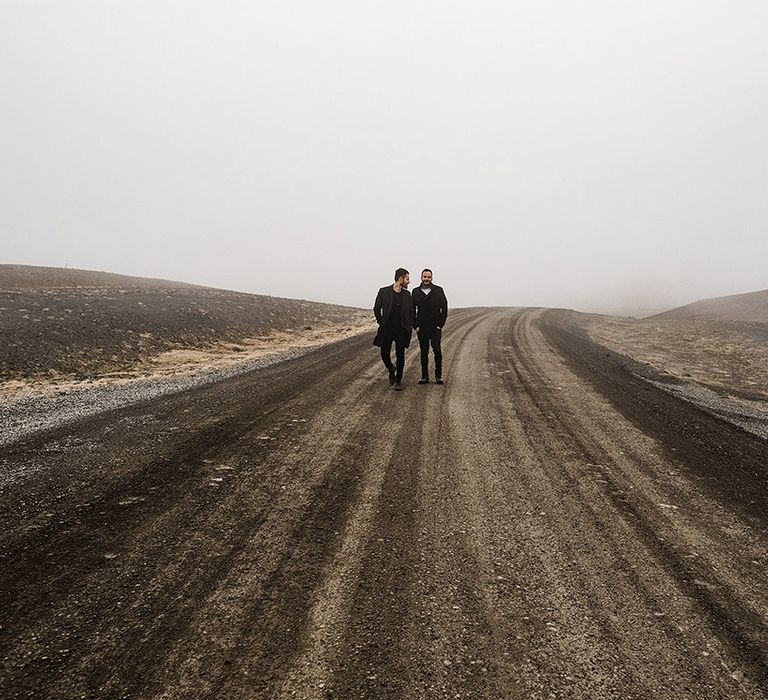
(430, 311)
(394, 315)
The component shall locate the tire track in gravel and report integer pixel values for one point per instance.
(308, 666)
(78, 566)
(275, 547)
(303, 531)
(738, 622)
(465, 653)
(382, 637)
(701, 442)
(161, 477)
(510, 570)
(317, 667)
(737, 627)
(157, 607)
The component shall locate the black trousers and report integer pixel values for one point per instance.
(430, 335)
(398, 338)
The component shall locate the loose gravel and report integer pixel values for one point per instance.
(24, 416)
(751, 416)
(544, 525)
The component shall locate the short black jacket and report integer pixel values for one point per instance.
(429, 309)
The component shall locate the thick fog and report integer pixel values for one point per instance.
(609, 156)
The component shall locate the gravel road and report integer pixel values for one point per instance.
(544, 525)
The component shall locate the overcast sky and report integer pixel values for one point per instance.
(602, 155)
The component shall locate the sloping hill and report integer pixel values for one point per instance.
(752, 306)
(57, 321)
(21, 277)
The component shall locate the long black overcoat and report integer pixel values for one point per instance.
(383, 306)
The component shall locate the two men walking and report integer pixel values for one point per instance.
(398, 313)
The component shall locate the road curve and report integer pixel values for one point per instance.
(543, 525)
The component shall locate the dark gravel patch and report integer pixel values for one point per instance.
(727, 460)
(80, 324)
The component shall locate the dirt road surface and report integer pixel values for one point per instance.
(544, 525)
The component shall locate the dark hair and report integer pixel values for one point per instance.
(426, 269)
(401, 272)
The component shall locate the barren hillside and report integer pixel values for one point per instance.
(752, 306)
(78, 323)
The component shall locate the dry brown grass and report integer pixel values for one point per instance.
(728, 356)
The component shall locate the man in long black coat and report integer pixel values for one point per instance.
(430, 312)
(394, 314)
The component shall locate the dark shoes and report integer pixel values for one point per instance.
(391, 376)
(398, 385)
(425, 380)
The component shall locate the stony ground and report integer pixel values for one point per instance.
(728, 356)
(718, 365)
(59, 325)
(549, 523)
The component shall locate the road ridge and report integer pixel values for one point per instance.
(523, 531)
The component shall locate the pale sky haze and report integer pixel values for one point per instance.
(602, 155)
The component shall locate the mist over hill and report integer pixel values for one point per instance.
(75, 322)
(752, 306)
